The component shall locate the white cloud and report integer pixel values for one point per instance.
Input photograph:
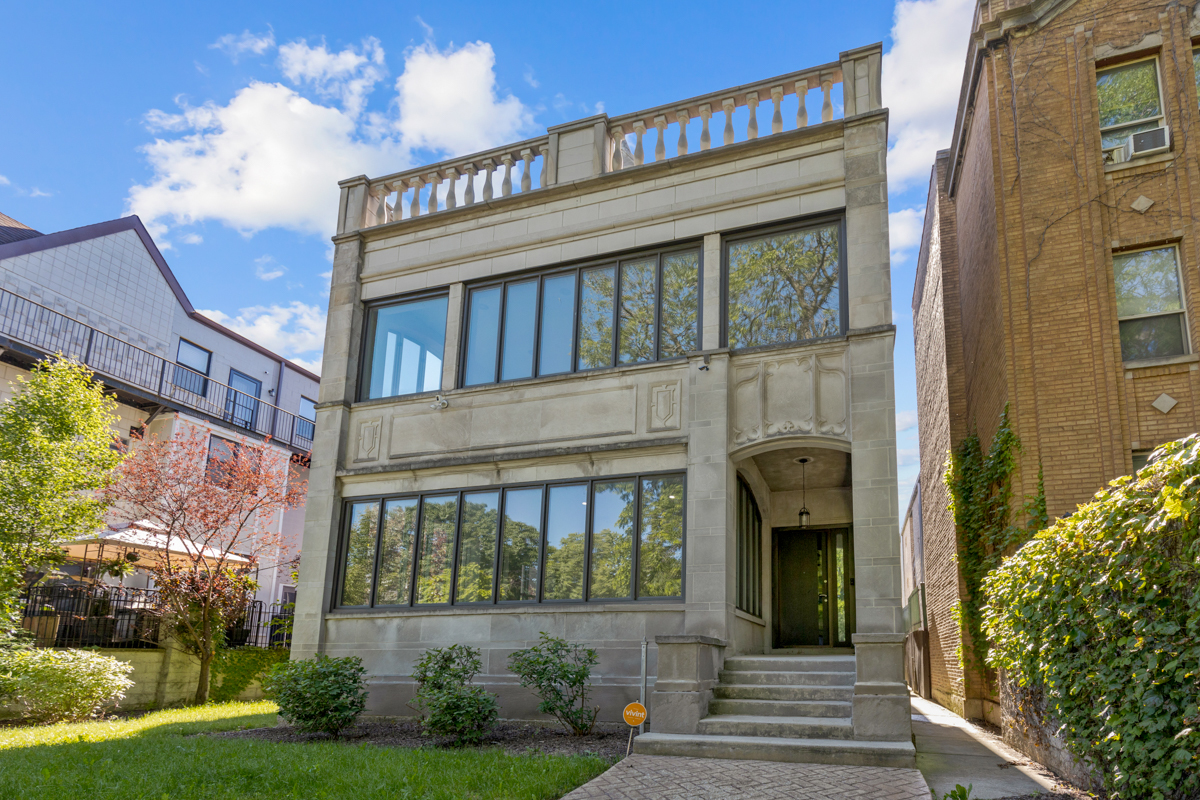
(294, 331)
(192, 238)
(905, 421)
(922, 74)
(4, 181)
(313, 365)
(529, 77)
(907, 457)
(905, 228)
(235, 45)
(272, 157)
(266, 269)
(36, 192)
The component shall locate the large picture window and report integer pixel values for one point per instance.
(634, 310)
(599, 540)
(1129, 102)
(784, 286)
(404, 348)
(1150, 304)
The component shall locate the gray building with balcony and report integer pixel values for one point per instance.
(628, 383)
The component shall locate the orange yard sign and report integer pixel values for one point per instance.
(634, 714)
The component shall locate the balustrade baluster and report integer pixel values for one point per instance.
(414, 208)
(827, 106)
(469, 190)
(705, 137)
(727, 106)
(547, 166)
(752, 107)
(617, 136)
(488, 166)
(526, 178)
(660, 147)
(389, 212)
(433, 179)
(802, 96)
(506, 185)
(451, 188)
(777, 117)
(639, 129)
(682, 118)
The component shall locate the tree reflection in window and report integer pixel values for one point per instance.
(396, 552)
(636, 317)
(660, 549)
(438, 520)
(519, 543)
(566, 521)
(477, 547)
(680, 304)
(784, 287)
(612, 540)
(596, 318)
(360, 554)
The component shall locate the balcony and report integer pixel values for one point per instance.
(46, 332)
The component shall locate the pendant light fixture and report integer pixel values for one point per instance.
(805, 517)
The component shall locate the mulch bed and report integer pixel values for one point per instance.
(607, 740)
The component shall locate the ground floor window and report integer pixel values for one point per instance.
(749, 552)
(1150, 304)
(605, 539)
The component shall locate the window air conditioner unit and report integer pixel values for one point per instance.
(1147, 143)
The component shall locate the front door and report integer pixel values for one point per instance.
(813, 594)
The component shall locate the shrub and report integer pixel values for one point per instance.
(560, 674)
(323, 695)
(1100, 615)
(236, 668)
(449, 705)
(64, 685)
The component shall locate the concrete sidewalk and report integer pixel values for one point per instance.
(952, 751)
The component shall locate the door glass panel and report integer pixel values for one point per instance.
(558, 325)
(360, 554)
(660, 549)
(406, 344)
(596, 318)
(612, 540)
(520, 539)
(520, 318)
(241, 404)
(822, 590)
(396, 552)
(566, 519)
(477, 547)
(680, 304)
(482, 330)
(636, 318)
(436, 557)
(839, 572)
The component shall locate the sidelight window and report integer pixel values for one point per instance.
(631, 311)
(603, 540)
(404, 348)
(1150, 304)
(749, 552)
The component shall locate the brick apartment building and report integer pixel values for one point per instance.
(1058, 269)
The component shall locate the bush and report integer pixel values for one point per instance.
(235, 668)
(560, 674)
(449, 706)
(323, 695)
(64, 685)
(1100, 615)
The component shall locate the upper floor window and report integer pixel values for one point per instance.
(1130, 103)
(197, 361)
(241, 403)
(639, 309)
(404, 348)
(1150, 304)
(305, 425)
(784, 286)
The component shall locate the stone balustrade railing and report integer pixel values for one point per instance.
(597, 145)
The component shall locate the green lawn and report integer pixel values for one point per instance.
(155, 758)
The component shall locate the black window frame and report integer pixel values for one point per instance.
(306, 428)
(335, 605)
(748, 588)
(190, 371)
(231, 404)
(761, 231)
(365, 346)
(617, 262)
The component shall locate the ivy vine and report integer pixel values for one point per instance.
(237, 667)
(980, 485)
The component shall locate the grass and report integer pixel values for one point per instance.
(156, 757)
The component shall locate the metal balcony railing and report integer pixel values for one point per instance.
(50, 332)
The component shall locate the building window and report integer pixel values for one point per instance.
(241, 402)
(1196, 71)
(1130, 103)
(405, 344)
(602, 540)
(1140, 457)
(639, 309)
(749, 552)
(306, 427)
(784, 287)
(193, 362)
(221, 454)
(1150, 304)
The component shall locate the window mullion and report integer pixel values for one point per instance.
(378, 554)
(500, 332)
(501, 507)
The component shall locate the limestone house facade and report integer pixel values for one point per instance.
(586, 383)
(1057, 276)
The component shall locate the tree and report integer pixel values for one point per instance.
(56, 450)
(216, 513)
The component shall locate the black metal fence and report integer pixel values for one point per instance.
(51, 332)
(112, 616)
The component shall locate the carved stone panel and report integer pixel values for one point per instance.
(665, 406)
(747, 403)
(831, 394)
(369, 445)
(788, 396)
(793, 395)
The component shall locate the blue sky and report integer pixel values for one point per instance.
(226, 126)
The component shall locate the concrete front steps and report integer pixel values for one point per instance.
(782, 708)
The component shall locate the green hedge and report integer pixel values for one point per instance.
(237, 667)
(1100, 615)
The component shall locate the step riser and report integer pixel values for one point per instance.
(791, 664)
(780, 708)
(715, 726)
(863, 756)
(760, 678)
(837, 694)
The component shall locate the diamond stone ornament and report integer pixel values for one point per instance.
(1142, 204)
(1165, 402)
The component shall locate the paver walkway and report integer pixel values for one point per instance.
(677, 778)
